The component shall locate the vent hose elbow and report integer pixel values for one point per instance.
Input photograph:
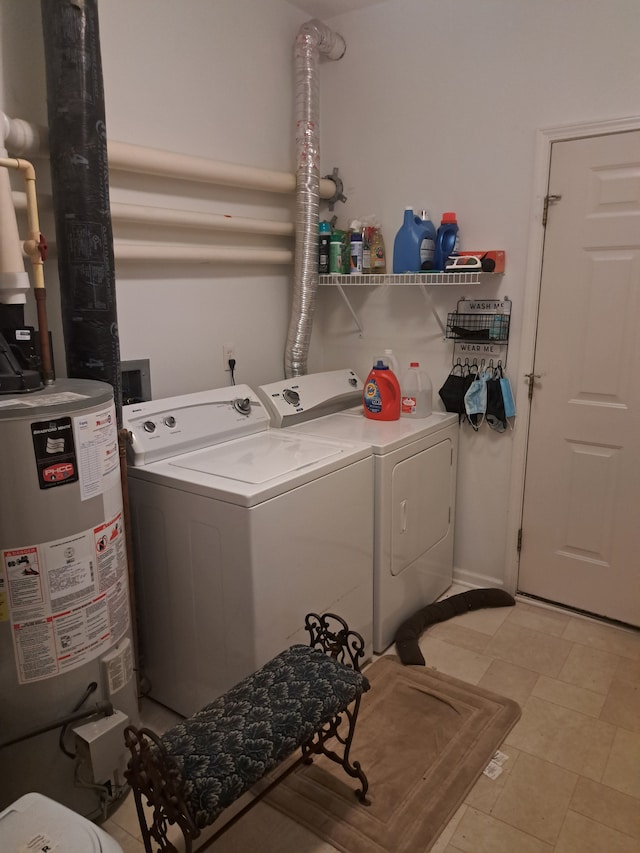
(314, 38)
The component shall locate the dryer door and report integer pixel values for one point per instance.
(421, 501)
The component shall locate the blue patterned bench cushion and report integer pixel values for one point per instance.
(230, 744)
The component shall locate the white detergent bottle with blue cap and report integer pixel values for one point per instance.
(428, 245)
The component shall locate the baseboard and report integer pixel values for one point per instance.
(473, 580)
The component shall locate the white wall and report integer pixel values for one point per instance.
(214, 81)
(212, 78)
(436, 104)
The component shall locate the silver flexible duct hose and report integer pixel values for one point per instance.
(313, 38)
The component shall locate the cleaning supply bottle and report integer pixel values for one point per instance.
(447, 241)
(406, 246)
(366, 250)
(417, 393)
(324, 240)
(428, 245)
(381, 393)
(336, 253)
(378, 254)
(355, 239)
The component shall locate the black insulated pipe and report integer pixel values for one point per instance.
(80, 185)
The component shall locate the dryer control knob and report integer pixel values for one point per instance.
(291, 397)
(170, 421)
(242, 405)
(149, 426)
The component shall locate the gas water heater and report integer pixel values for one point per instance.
(66, 645)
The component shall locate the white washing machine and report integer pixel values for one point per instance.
(415, 464)
(239, 531)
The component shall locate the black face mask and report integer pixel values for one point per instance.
(455, 387)
(495, 415)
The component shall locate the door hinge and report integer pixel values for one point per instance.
(519, 540)
(548, 199)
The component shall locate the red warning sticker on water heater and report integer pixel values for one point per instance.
(54, 452)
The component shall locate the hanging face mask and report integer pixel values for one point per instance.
(507, 397)
(475, 400)
(454, 389)
(496, 417)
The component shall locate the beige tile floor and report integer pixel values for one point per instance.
(571, 783)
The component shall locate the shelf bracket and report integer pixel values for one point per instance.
(350, 307)
(429, 301)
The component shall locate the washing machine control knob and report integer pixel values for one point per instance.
(170, 421)
(291, 397)
(149, 426)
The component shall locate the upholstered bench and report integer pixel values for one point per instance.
(304, 697)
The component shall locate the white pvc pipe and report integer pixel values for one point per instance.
(14, 280)
(152, 161)
(22, 137)
(164, 252)
(144, 214)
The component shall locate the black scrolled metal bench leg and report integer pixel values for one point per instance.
(153, 775)
(332, 635)
(317, 746)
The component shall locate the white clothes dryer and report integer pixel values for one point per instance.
(415, 465)
(239, 531)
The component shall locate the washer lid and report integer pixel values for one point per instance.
(260, 458)
(255, 468)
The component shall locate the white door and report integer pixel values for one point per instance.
(581, 514)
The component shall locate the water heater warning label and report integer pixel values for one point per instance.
(68, 599)
(55, 452)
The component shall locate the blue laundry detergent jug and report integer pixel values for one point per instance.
(445, 241)
(406, 246)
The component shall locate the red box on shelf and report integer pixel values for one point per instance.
(495, 255)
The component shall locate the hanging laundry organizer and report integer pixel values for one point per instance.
(477, 387)
(480, 329)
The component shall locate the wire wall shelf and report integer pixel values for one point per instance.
(420, 278)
